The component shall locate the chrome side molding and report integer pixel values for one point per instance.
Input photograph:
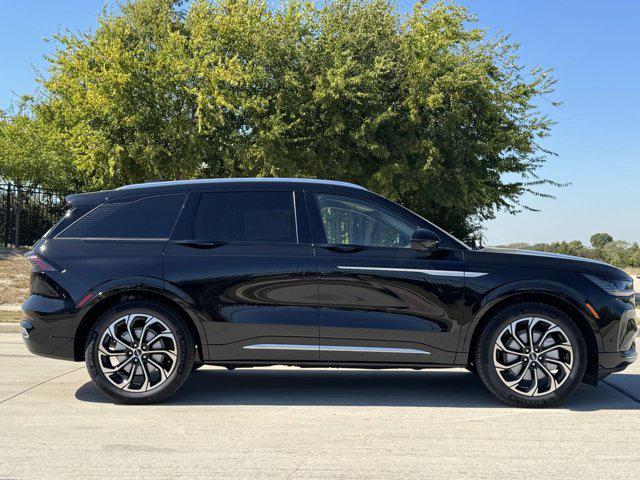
(435, 273)
(335, 348)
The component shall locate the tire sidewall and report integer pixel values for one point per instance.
(485, 362)
(184, 346)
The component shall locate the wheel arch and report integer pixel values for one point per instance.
(584, 324)
(105, 300)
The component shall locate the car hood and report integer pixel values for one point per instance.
(533, 258)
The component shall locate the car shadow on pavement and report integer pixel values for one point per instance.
(288, 387)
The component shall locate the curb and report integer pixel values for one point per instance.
(10, 328)
(11, 307)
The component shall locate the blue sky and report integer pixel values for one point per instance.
(592, 45)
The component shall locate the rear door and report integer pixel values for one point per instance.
(381, 301)
(246, 260)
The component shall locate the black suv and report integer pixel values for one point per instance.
(148, 282)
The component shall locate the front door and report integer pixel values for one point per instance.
(243, 258)
(381, 301)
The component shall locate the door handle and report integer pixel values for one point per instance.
(199, 244)
(344, 248)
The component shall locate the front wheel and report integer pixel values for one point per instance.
(139, 352)
(531, 355)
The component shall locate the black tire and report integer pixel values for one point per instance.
(485, 363)
(184, 345)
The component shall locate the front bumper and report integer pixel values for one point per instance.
(621, 334)
(616, 361)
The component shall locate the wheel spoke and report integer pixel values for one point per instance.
(163, 373)
(112, 334)
(127, 382)
(516, 382)
(171, 354)
(564, 346)
(512, 331)
(159, 336)
(106, 352)
(145, 385)
(546, 334)
(147, 324)
(504, 348)
(532, 323)
(128, 323)
(564, 366)
(534, 388)
(553, 384)
(118, 367)
(502, 367)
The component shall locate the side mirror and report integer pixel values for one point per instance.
(423, 239)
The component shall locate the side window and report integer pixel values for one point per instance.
(245, 216)
(353, 221)
(144, 218)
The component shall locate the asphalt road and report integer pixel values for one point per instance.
(307, 424)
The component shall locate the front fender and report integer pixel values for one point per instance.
(526, 290)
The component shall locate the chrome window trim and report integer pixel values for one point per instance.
(295, 214)
(116, 239)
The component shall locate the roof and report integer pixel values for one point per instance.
(93, 198)
(214, 181)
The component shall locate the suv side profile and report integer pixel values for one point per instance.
(148, 282)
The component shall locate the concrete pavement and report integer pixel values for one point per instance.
(275, 423)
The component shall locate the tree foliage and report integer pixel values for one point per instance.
(33, 152)
(616, 252)
(599, 240)
(424, 108)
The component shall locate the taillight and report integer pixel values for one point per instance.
(39, 263)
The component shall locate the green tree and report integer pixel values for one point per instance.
(599, 240)
(32, 154)
(424, 108)
(619, 253)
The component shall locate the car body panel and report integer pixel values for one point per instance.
(250, 294)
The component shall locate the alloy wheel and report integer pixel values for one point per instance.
(533, 356)
(137, 352)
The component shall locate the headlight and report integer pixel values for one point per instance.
(615, 287)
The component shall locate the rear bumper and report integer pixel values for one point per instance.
(46, 326)
(39, 343)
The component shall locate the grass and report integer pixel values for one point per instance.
(10, 317)
(14, 276)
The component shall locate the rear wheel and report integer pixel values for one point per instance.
(139, 352)
(531, 355)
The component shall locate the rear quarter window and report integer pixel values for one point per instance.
(71, 215)
(143, 218)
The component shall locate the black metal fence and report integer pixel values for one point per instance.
(27, 213)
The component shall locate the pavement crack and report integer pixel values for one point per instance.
(41, 383)
(630, 396)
